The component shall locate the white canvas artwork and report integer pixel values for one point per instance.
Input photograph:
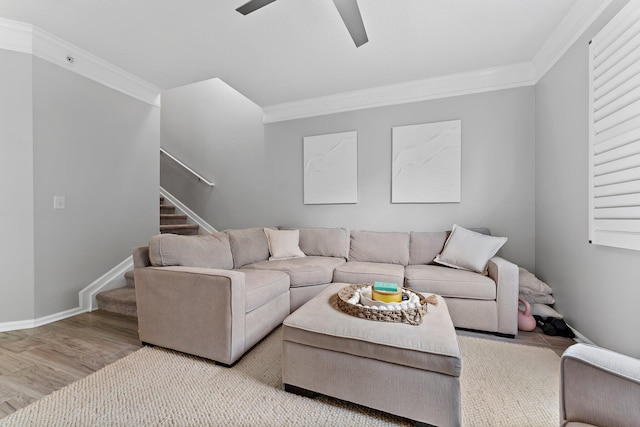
(331, 168)
(426, 164)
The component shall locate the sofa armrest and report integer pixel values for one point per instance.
(505, 274)
(599, 387)
(198, 311)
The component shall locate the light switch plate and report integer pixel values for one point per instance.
(59, 202)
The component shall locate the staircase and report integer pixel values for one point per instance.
(171, 222)
(123, 300)
(120, 300)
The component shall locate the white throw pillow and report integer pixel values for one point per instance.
(468, 250)
(283, 244)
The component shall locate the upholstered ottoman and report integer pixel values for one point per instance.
(409, 371)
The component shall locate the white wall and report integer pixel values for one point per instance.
(596, 287)
(217, 132)
(259, 178)
(99, 148)
(497, 169)
(16, 188)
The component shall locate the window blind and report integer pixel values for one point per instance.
(614, 134)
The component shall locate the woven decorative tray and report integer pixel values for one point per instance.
(412, 316)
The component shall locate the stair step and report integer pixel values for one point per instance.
(129, 277)
(167, 209)
(120, 300)
(185, 229)
(170, 219)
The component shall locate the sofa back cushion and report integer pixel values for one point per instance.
(425, 246)
(375, 246)
(319, 241)
(248, 245)
(207, 251)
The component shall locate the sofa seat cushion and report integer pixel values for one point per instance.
(262, 286)
(307, 271)
(450, 282)
(369, 272)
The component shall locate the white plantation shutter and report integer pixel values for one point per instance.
(614, 134)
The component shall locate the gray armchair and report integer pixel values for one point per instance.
(599, 387)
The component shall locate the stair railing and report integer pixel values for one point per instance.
(200, 177)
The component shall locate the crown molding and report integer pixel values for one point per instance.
(26, 38)
(574, 24)
(22, 37)
(15, 36)
(55, 50)
(580, 17)
(477, 81)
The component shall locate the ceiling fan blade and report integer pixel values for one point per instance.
(252, 6)
(350, 14)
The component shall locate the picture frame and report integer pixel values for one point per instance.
(331, 168)
(426, 163)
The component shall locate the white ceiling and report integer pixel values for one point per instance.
(297, 49)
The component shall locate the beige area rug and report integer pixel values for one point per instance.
(503, 384)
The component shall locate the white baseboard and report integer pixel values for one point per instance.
(205, 227)
(112, 279)
(33, 323)
(17, 325)
(580, 337)
(58, 316)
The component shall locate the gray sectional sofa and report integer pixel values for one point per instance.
(217, 295)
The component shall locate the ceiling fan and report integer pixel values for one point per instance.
(348, 9)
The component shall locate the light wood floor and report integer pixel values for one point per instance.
(535, 338)
(35, 362)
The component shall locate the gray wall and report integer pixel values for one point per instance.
(596, 287)
(16, 188)
(497, 169)
(217, 132)
(259, 178)
(99, 148)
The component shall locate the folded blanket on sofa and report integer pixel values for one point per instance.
(533, 298)
(533, 285)
(534, 290)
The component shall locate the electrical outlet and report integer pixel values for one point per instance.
(59, 202)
